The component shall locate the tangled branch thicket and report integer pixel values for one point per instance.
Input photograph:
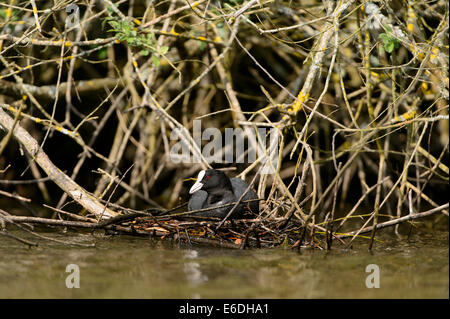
(91, 90)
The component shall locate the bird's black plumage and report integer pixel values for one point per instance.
(214, 188)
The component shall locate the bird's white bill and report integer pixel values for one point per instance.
(198, 185)
(195, 187)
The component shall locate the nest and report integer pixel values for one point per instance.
(236, 233)
(184, 227)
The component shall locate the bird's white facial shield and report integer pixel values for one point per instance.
(198, 184)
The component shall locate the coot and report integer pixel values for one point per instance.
(214, 188)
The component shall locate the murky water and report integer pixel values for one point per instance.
(129, 267)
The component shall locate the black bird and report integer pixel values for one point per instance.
(214, 188)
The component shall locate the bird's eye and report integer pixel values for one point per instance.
(207, 177)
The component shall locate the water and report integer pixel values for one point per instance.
(130, 267)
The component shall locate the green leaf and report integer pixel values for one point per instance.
(145, 52)
(103, 54)
(103, 23)
(163, 50)
(384, 37)
(396, 43)
(114, 24)
(390, 43)
(155, 60)
(389, 47)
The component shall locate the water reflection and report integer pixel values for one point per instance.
(192, 269)
(130, 267)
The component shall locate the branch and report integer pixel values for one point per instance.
(80, 195)
(397, 221)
